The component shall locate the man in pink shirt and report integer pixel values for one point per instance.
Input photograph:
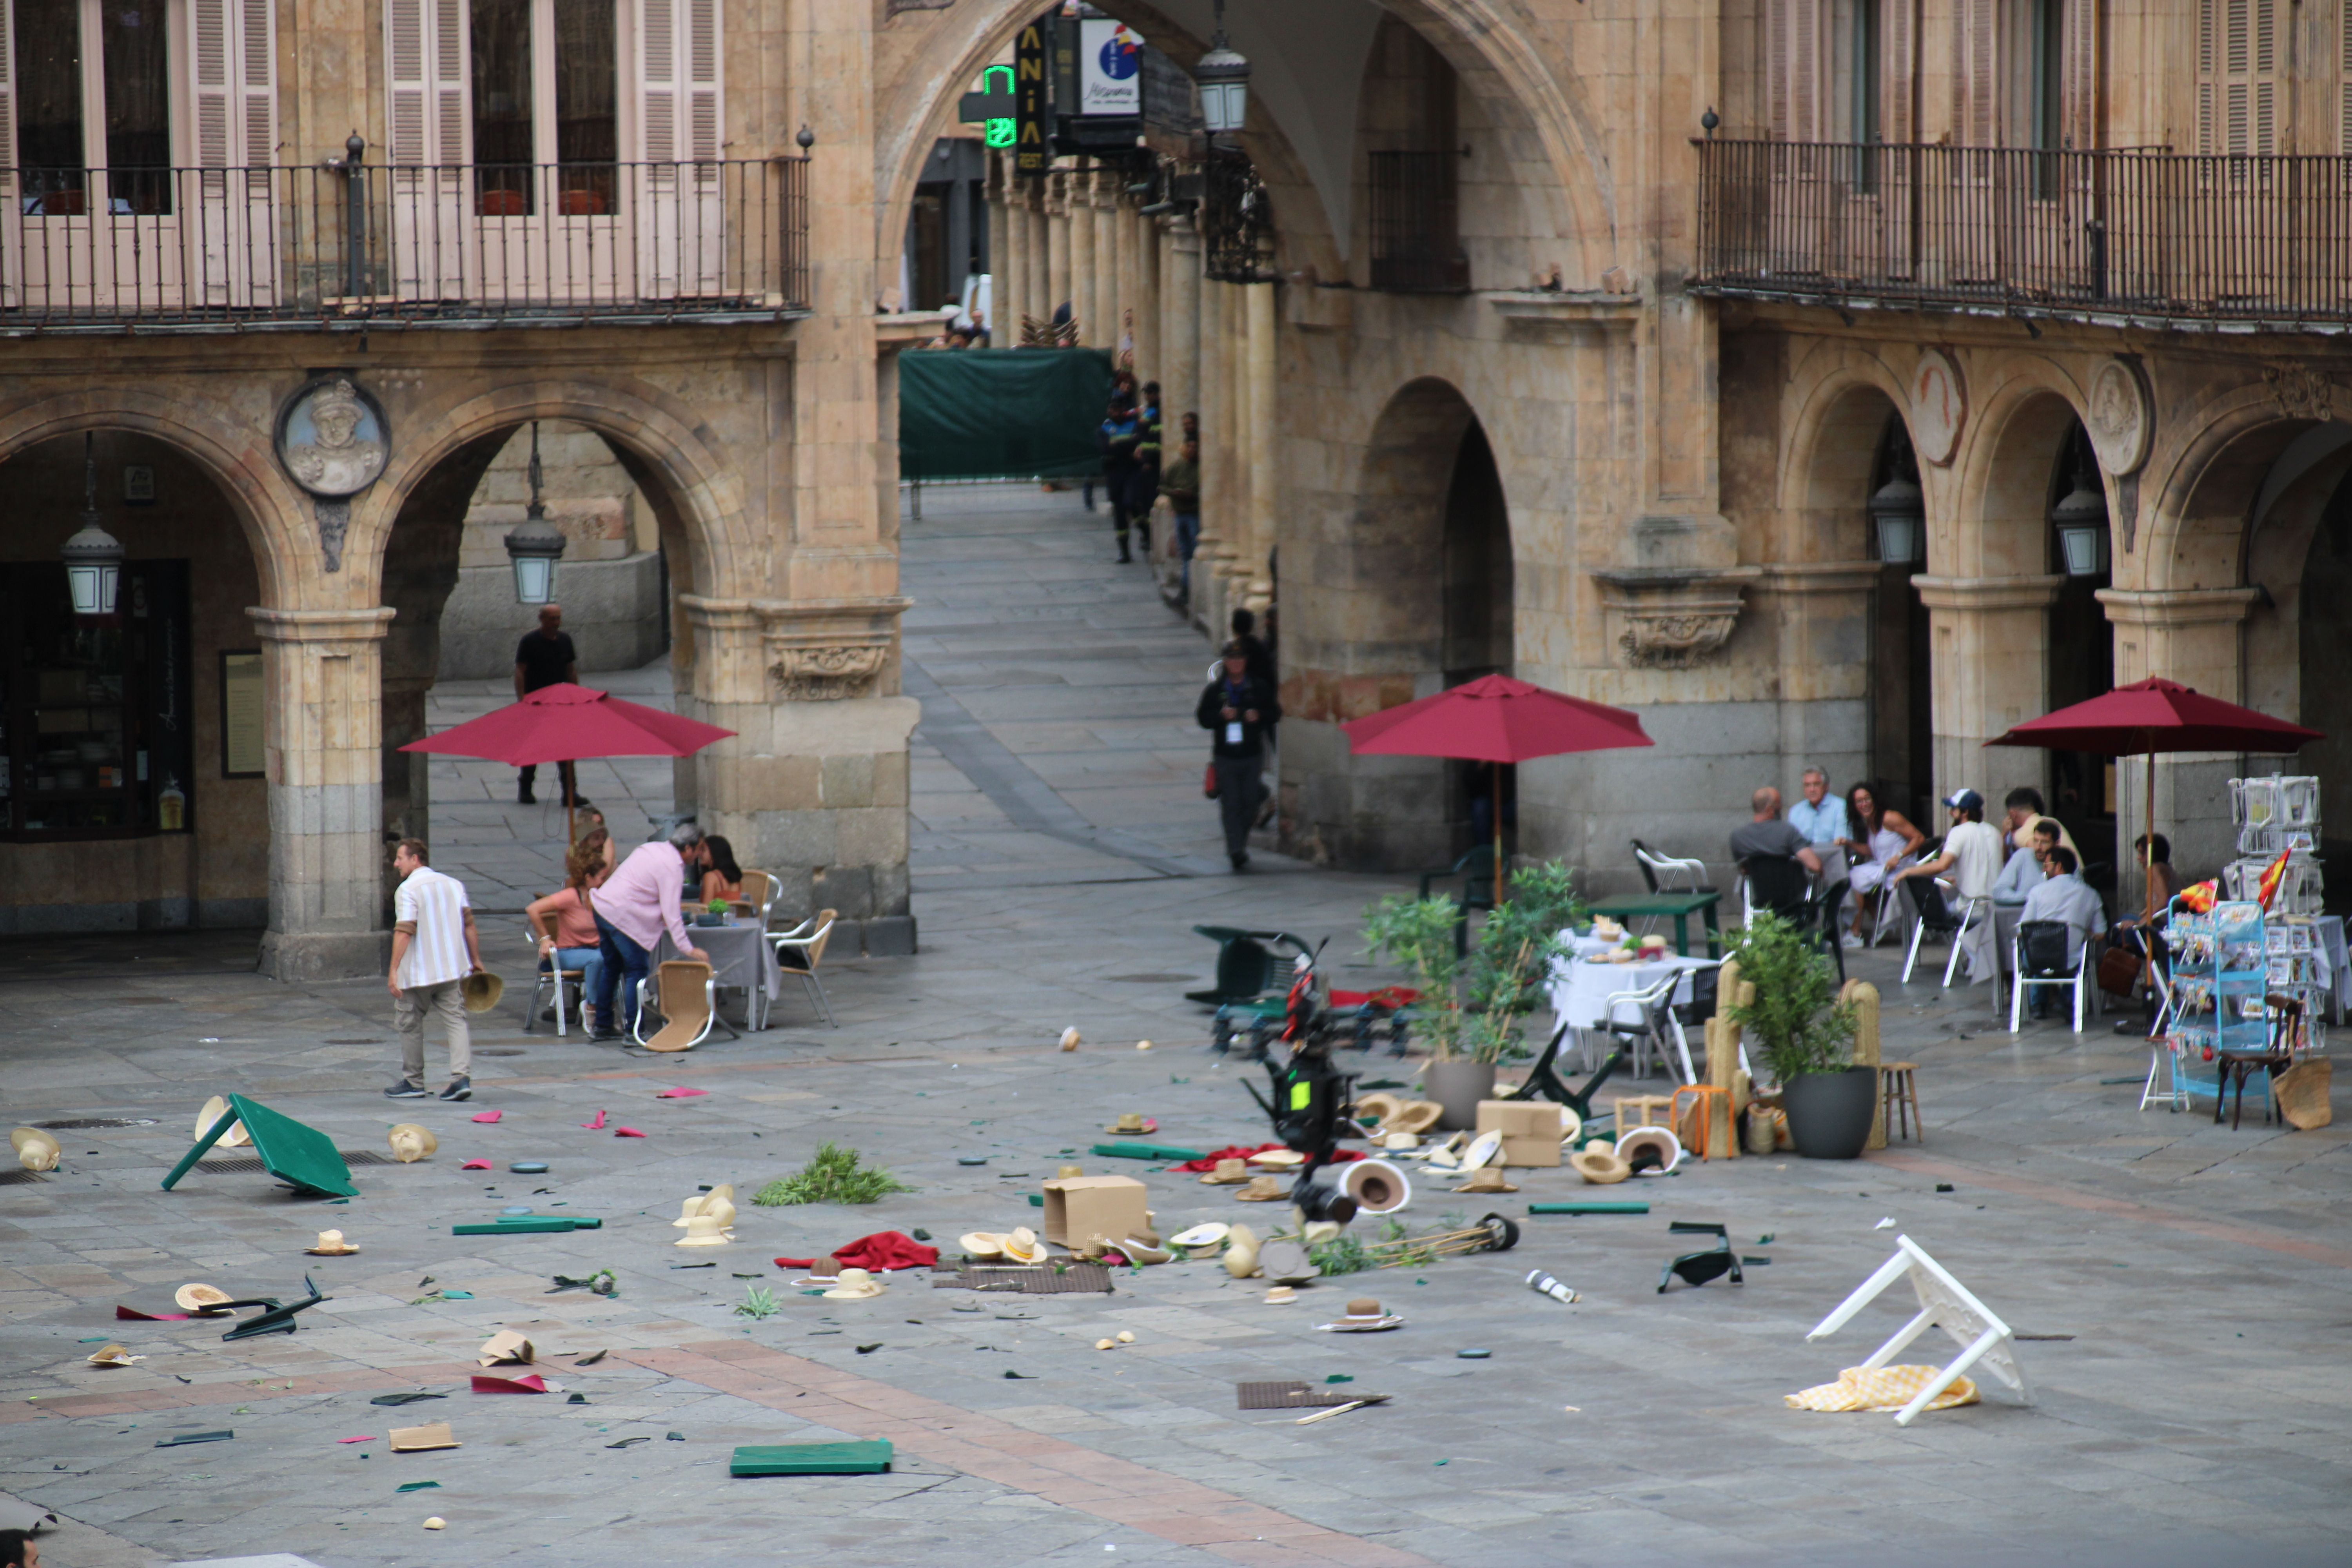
(634, 907)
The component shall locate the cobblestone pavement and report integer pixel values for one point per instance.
(2185, 1283)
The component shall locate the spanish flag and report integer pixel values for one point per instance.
(2198, 897)
(2272, 875)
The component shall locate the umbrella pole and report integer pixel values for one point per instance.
(1498, 835)
(2147, 851)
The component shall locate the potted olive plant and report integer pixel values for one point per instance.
(1802, 1034)
(1472, 1003)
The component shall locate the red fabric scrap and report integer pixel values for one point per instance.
(626, 1132)
(488, 1115)
(475, 1165)
(1387, 999)
(595, 1126)
(1208, 1162)
(136, 1316)
(531, 1383)
(884, 1249)
(680, 1093)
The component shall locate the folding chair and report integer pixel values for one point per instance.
(1932, 914)
(1886, 910)
(2038, 957)
(1668, 874)
(1543, 1080)
(799, 951)
(1653, 1008)
(1477, 870)
(551, 980)
(687, 998)
(1250, 963)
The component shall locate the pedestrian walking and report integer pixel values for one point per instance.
(1144, 489)
(1239, 709)
(546, 657)
(433, 947)
(1180, 482)
(634, 906)
(1117, 439)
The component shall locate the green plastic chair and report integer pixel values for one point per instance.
(1250, 963)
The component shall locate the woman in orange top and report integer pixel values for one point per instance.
(574, 942)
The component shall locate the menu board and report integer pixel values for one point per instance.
(241, 756)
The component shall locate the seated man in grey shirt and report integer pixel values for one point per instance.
(1768, 834)
(2022, 872)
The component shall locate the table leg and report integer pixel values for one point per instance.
(1682, 935)
(1713, 933)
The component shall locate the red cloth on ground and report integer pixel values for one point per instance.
(884, 1249)
(1208, 1162)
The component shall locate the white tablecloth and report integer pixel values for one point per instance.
(740, 955)
(1580, 987)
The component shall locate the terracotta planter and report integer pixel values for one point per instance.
(1830, 1112)
(1458, 1086)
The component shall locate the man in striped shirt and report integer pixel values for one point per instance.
(433, 947)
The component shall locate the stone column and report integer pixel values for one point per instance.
(1083, 267)
(1037, 248)
(1989, 658)
(322, 729)
(1143, 247)
(2191, 636)
(1004, 255)
(1179, 320)
(1264, 447)
(1113, 260)
(1058, 245)
(1217, 465)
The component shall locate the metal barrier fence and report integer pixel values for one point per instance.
(2148, 234)
(457, 243)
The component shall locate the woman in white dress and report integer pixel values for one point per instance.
(1878, 840)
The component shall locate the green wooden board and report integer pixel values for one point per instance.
(289, 1150)
(1148, 1151)
(1590, 1208)
(530, 1225)
(866, 1459)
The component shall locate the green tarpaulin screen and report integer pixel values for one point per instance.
(987, 413)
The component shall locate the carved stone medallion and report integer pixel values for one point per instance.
(2121, 420)
(1939, 406)
(819, 672)
(331, 438)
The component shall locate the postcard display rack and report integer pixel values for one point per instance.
(2274, 816)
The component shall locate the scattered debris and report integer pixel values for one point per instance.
(676, 1437)
(1698, 1268)
(1143, 1045)
(403, 1398)
(529, 1167)
(436, 1522)
(112, 1355)
(422, 1439)
(626, 1132)
(411, 1142)
(488, 1115)
(577, 1399)
(1356, 1403)
(1025, 1377)
(184, 1439)
(628, 1442)
(601, 1283)
(1886, 1224)
(1595, 1206)
(475, 1165)
(1070, 1038)
(1543, 1284)
(330, 1244)
(681, 1093)
(354, 1440)
(418, 1487)
(1473, 1354)
(866, 1457)
(531, 1383)
(1884, 1388)
(530, 1224)
(833, 1175)
(1947, 1187)
(595, 1126)
(505, 1347)
(1363, 1316)
(869, 1349)
(590, 1359)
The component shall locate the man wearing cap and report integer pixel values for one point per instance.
(1972, 854)
(433, 947)
(634, 906)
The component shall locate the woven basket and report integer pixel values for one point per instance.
(2301, 1093)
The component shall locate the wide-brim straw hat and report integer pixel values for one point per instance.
(707, 1203)
(1572, 1125)
(37, 1150)
(1286, 1263)
(1378, 1106)
(411, 1142)
(1599, 1165)
(1486, 1179)
(1264, 1190)
(1280, 1296)
(1021, 1246)
(481, 991)
(195, 1298)
(1485, 1149)
(1668, 1147)
(112, 1355)
(1138, 1250)
(855, 1285)
(330, 1244)
(1277, 1159)
(1228, 1174)
(1132, 1122)
(704, 1230)
(215, 1108)
(1212, 1235)
(2301, 1093)
(1415, 1116)
(1398, 1140)
(982, 1244)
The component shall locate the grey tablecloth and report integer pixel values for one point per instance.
(740, 955)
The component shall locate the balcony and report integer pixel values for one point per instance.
(2138, 238)
(468, 245)
(1416, 224)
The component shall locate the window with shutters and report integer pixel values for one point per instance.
(2241, 61)
(1792, 44)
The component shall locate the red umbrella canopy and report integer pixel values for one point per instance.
(1494, 720)
(563, 723)
(2158, 715)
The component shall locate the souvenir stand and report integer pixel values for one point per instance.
(2280, 815)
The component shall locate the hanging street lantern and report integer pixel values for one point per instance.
(2080, 522)
(1899, 512)
(93, 557)
(1223, 77)
(535, 545)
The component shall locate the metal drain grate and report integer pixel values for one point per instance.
(249, 1163)
(370, 1040)
(11, 1178)
(1068, 1279)
(1290, 1394)
(87, 1122)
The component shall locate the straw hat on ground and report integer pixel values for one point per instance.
(1241, 1254)
(411, 1142)
(1656, 1141)
(1599, 1164)
(704, 1230)
(1572, 1125)
(1486, 1179)
(1415, 1116)
(855, 1285)
(1138, 1250)
(1264, 1190)
(1482, 1150)
(982, 1244)
(36, 1149)
(481, 991)
(1397, 1141)
(1378, 1106)
(1286, 1263)
(113, 1355)
(1280, 1296)
(1364, 1316)
(2301, 1093)
(330, 1244)
(705, 1203)
(1228, 1174)
(199, 1297)
(215, 1108)
(1021, 1246)
(1132, 1122)
(1277, 1159)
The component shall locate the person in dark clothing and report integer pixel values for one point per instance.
(1239, 709)
(1253, 648)
(1118, 440)
(545, 657)
(1144, 489)
(1181, 483)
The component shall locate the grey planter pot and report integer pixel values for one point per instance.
(1830, 1112)
(1459, 1086)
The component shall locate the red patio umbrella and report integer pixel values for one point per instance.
(2157, 715)
(565, 723)
(1495, 719)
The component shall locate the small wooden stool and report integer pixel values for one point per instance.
(1898, 1089)
(1643, 1110)
(1696, 1132)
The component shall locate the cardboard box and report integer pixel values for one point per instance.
(1078, 1208)
(1530, 1128)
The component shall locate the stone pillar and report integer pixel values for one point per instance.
(1036, 286)
(1264, 448)
(1989, 660)
(1217, 516)
(2191, 636)
(1004, 255)
(1112, 263)
(1180, 322)
(1058, 245)
(1143, 248)
(321, 728)
(1082, 257)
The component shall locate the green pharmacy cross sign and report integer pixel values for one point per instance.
(991, 107)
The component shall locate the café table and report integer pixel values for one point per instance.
(1678, 907)
(1581, 985)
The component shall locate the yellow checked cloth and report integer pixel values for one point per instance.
(1884, 1388)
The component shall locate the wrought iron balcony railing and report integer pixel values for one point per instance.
(474, 243)
(2158, 237)
(1416, 224)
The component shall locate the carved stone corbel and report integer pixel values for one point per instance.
(1671, 618)
(827, 650)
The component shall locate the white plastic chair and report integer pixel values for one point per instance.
(799, 951)
(2078, 979)
(558, 981)
(1973, 913)
(1654, 1012)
